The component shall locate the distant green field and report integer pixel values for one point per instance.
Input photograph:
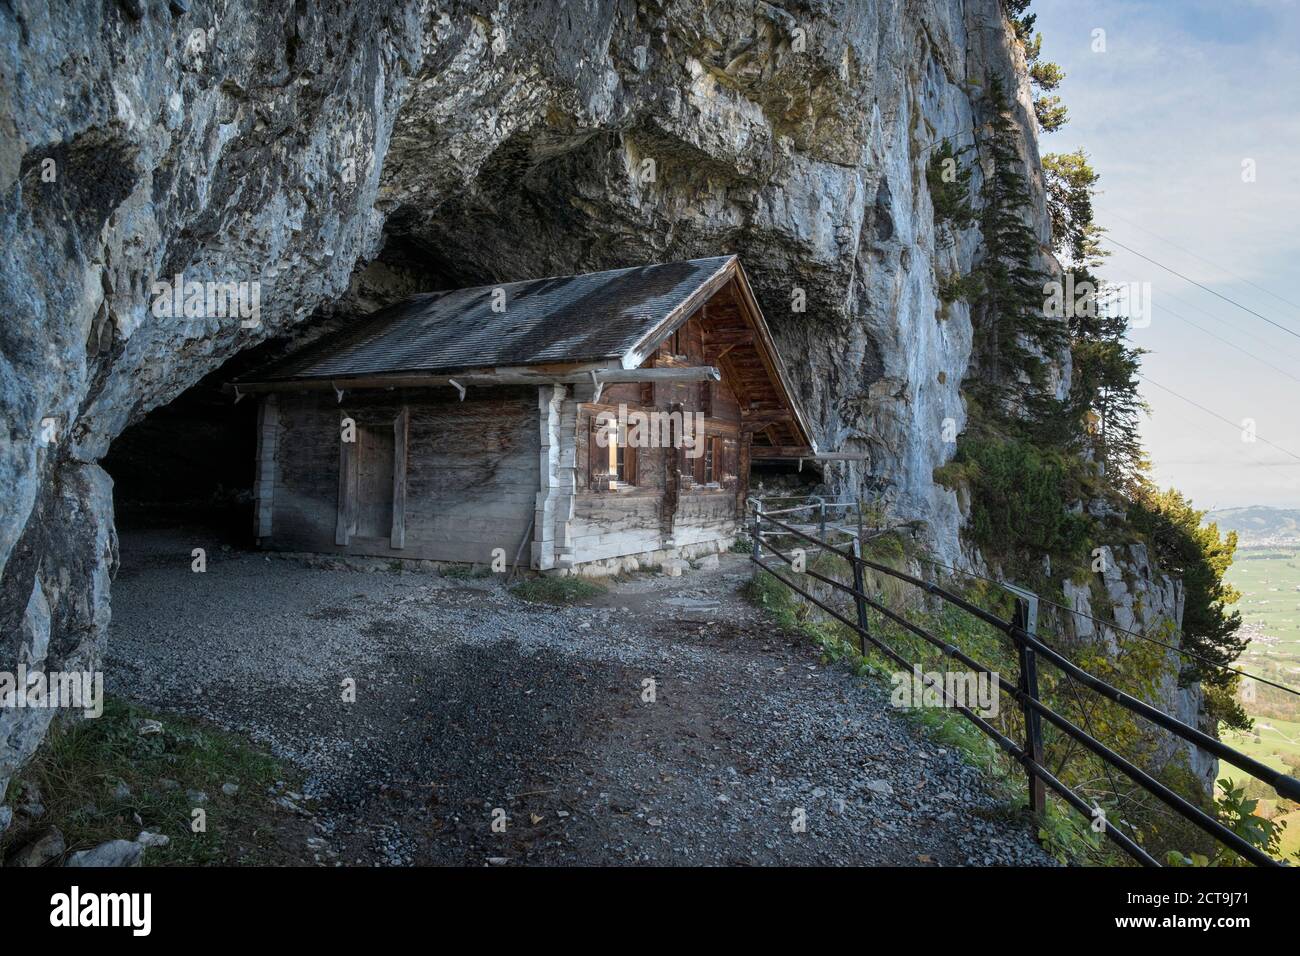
(1269, 582)
(1270, 740)
(1275, 738)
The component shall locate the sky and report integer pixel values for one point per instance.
(1184, 92)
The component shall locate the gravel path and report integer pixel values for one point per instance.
(472, 705)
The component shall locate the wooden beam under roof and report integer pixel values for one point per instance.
(791, 452)
(488, 377)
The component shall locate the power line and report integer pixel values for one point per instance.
(1208, 262)
(1263, 361)
(1206, 288)
(1235, 425)
(1165, 293)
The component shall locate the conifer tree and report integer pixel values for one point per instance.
(1021, 22)
(1011, 325)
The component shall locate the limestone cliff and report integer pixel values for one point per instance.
(332, 151)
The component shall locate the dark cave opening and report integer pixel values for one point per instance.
(189, 464)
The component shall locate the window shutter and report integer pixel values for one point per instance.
(629, 465)
(597, 457)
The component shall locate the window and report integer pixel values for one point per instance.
(718, 464)
(611, 460)
(618, 458)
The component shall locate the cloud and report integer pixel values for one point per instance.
(1183, 95)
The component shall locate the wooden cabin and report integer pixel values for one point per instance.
(588, 423)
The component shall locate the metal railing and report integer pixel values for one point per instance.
(1021, 630)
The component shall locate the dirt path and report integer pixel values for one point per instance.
(471, 704)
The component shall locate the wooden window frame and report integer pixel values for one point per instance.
(715, 466)
(599, 475)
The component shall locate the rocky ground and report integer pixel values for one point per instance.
(473, 706)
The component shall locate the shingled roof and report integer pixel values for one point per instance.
(580, 318)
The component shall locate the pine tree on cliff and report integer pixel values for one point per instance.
(1012, 329)
(1022, 21)
(1104, 405)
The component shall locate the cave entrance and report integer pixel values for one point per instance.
(186, 471)
(186, 468)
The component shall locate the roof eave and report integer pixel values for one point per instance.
(645, 346)
(769, 345)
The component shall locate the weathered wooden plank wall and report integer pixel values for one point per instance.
(625, 521)
(471, 474)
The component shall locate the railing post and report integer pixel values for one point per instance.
(1026, 620)
(758, 529)
(861, 589)
(821, 520)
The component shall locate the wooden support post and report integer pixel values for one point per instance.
(742, 473)
(860, 587)
(346, 523)
(1026, 619)
(268, 435)
(401, 429)
(758, 529)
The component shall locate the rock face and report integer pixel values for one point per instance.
(1139, 598)
(336, 154)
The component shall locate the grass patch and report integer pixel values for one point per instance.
(96, 777)
(743, 544)
(552, 590)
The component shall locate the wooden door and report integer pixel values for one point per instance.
(374, 481)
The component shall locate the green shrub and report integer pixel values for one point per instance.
(1018, 500)
(949, 185)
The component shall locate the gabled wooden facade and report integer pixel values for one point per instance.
(599, 462)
